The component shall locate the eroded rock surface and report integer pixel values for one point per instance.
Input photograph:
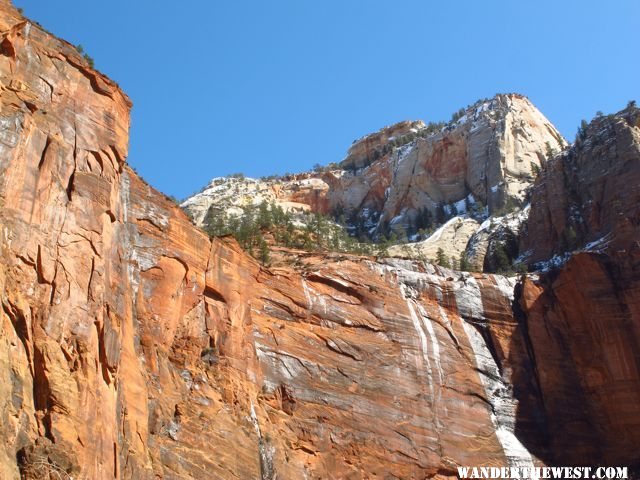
(583, 323)
(588, 197)
(134, 347)
(582, 312)
(487, 155)
(452, 239)
(487, 158)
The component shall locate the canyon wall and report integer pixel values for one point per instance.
(582, 313)
(134, 347)
(583, 324)
(588, 196)
(486, 158)
(488, 155)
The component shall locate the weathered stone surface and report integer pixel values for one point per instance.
(134, 347)
(298, 193)
(588, 197)
(583, 324)
(367, 149)
(497, 241)
(452, 238)
(487, 157)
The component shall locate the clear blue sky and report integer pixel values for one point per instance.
(265, 87)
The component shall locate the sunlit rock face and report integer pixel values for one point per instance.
(488, 155)
(451, 239)
(132, 346)
(486, 159)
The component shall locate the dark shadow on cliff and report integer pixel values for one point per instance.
(575, 360)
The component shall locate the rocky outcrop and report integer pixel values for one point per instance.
(582, 314)
(451, 239)
(297, 193)
(588, 197)
(487, 157)
(369, 148)
(493, 247)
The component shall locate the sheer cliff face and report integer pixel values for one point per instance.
(487, 155)
(133, 347)
(584, 328)
(588, 197)
(584, 317)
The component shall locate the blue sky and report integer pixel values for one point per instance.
(265, 87)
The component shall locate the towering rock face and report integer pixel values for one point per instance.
(589, 195)
(583, 317)
(134, 347)
(131, 346)
(583, 323)
(486, 155)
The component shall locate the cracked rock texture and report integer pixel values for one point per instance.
(133, 347)
(589, 195)
(584, 330)
(583, 316)
(488, 153)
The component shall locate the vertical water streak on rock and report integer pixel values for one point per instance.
(434, 341)
(497, 388)
(267, 470)
(417, 324)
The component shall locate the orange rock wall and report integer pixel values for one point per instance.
(584, 330)
(133, 347)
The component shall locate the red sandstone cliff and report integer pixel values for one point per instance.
(583, 325)
(132, 346)
(583, 316)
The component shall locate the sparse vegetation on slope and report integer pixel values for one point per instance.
(262, 226)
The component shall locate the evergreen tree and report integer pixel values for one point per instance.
(465, 265)
(535, 170)
(264, 215)
(441, 258)
(264, 251)
(582, 131)
(441, 214)
(502, 261)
